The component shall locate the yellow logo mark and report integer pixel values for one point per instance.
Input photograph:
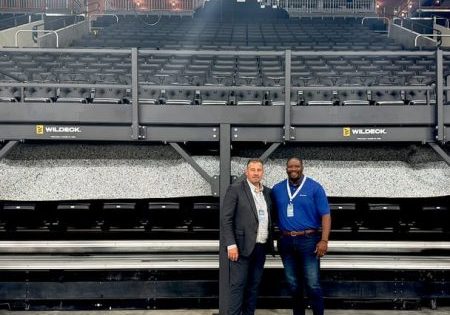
(39, 129)
(346, 132)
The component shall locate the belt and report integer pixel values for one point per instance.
(298, 233)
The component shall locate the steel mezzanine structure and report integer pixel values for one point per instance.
(135, 122)
(269, 124)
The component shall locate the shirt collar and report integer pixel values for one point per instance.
(255, 189)
(295, 186)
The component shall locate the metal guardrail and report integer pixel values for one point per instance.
(425, 120)
(153, 5)
(36, 31)
(388, 22)
(323, 6)
(426, 36)
(35, 5)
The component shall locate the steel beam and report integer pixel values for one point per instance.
(181, 134)
(7, 148)
(160, 115)
(65, 113)
(363, 115)
(210, 115)
(365, 134)
(59, 132)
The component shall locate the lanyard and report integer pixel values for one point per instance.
(291, 197)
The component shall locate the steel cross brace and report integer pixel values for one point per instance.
(263, 158)
(212, 180)
(440, 151)
(7, 148)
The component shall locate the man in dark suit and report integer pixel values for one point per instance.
(246, 227)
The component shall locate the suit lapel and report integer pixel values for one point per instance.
(250, 198)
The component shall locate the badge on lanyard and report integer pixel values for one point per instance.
(290, 206)
(261, 215)
(290, 210)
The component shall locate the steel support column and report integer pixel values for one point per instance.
(225, 179)
(287, 97)
(7, 148)
(440, 135)
(134, 91)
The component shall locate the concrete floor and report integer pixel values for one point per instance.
(425, 311)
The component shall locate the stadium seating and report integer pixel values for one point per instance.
(181, 33)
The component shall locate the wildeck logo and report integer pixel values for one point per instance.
(41, 129)
(347, 132)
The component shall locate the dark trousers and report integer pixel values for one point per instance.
(245, 277)
(301, 268)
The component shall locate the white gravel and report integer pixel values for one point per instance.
(85, 171)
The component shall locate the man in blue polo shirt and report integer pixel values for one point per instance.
(304, 220)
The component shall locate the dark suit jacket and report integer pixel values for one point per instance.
(239, 221)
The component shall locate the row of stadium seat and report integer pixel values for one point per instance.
(315, 34)
(150, 96)
(205, 215)
(110, 215)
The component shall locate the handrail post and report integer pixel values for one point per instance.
(134, 91)
(287, 96)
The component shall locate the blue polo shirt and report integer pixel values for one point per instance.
(310, 205)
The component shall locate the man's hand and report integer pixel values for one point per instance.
(233, 254)
(321, 248)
